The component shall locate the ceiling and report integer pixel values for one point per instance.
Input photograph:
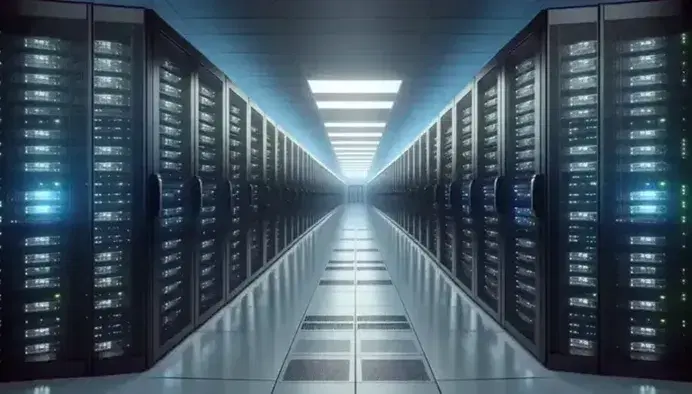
(270, 48)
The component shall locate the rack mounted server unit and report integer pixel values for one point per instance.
(570, 189)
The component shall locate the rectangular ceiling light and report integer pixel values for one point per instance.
(358, 86)
(355, 104)
(356, 142)
(355, 135)
(355, 124)
(371, 149)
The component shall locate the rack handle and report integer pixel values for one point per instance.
(497, 184)
(198, 194)
(472, 200)
(536, 188)
(156, 195)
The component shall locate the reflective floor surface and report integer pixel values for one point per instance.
(350, 311)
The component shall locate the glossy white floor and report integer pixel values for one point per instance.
(355, 307)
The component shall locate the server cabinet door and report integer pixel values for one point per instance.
(523, 266)
(574, 192)
(448, 241)
(236, 252)
(255, 193)
(462, 191)
(45, 220)
(118, 191)
(425, 184)
(280, 194)
(269, 218)
(175, 229)
(433, 183)
(646, 178)
(214, 199)
(487, 220)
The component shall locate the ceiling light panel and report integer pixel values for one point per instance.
(356, 125)
(355, 142)
(355, 148)
(355, 104)
(361, 86)
(354, 135)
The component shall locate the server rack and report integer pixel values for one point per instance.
(433, 189)
(645, 55)
(416, 195)
(462, 190)
(487, 192)
(40, 223)
(281, 233)
(257, 211)
(237, 177)
(574, 68)
(523, 175)
(292, 190)
(574, 145)
(448, 242)
(213, 191)
(426, 213)
(269, 183)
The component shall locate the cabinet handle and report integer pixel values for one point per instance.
(199, 194)
(536, 187)
(472, 200)
(496, 194)
(156, 195)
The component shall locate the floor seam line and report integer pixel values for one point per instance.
(500, 379)
(207, 379)
(355, 316)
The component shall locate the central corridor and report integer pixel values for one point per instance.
(354, 307)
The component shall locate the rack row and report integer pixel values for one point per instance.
(141, 191)
(555, 189)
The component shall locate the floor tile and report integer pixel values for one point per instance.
(314, 388)
(397, 388)
(317, 370)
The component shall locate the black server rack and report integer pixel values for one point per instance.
(292, 190)
(487, 193)
(448, 243)
(425, 190)
(409, 188)
(300, 178)
(282, 208)
(416, 195)
(524, 285)
(433, 191)
(118, 189)
(45, 120)
(574, 191)
(645, 174)
(175, 227)
(214, 193)
(256, 212)
(462, 191)
(269, 218)
(237, 267)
